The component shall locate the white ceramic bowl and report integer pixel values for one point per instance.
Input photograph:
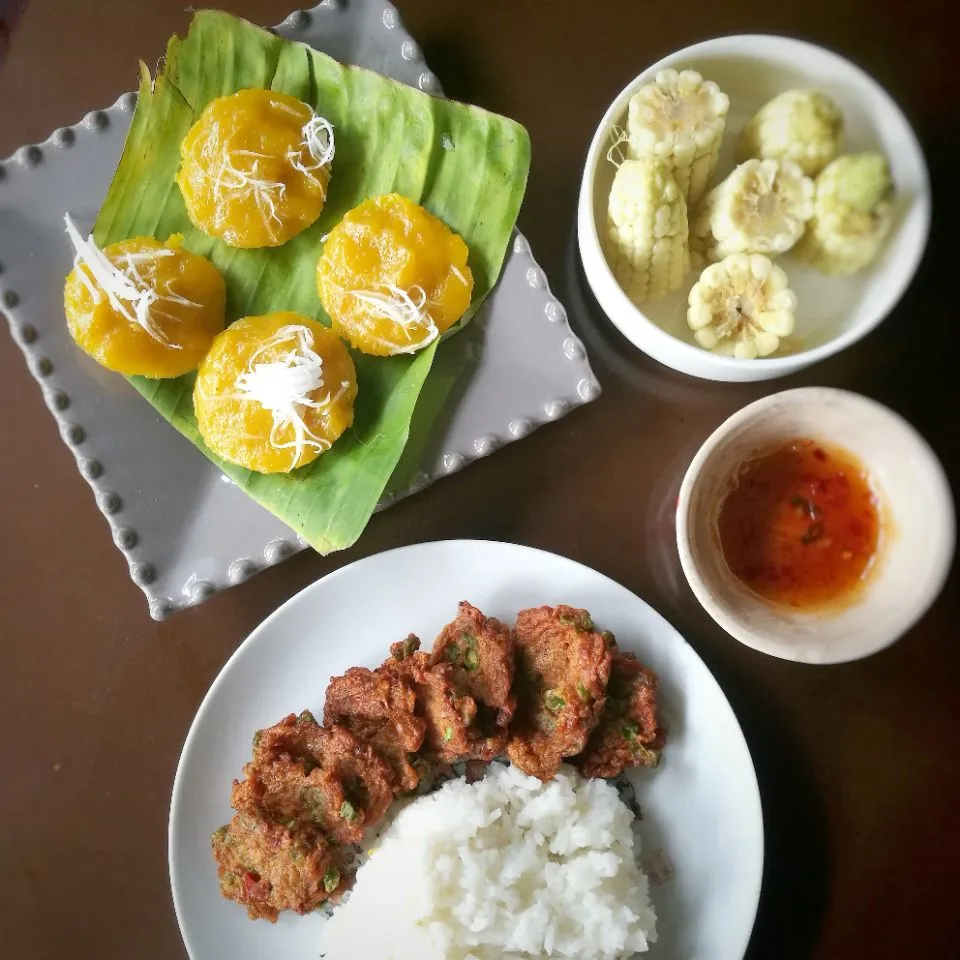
(917, 536)
(833, 312)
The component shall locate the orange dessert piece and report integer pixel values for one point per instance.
(142, 307)
(274, 392)
(254, 168)
(393, 277)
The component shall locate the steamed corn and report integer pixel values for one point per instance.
(741, 307)
(679, 118)
(852, 214)
(800, 125)
(647, 230)
(762, 207)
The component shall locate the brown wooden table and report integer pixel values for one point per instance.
(858, 764)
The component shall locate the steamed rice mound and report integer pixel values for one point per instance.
(506, 868)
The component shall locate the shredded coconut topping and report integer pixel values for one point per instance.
(286, 385)
(319, 142)
(405, 308)
(229, 177)
(318, 137)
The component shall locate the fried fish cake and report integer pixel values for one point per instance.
(284, 792)
(366, 776)
(380, 710)
(563, 667)
(447, 713)
(628, 734)
(351, 794)
(480, 651)
(267, 867)
(294, 737)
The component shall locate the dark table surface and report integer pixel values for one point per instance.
(859, 765)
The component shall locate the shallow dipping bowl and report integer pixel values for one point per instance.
(917, 535)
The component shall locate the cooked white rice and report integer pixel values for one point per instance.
(507, 867)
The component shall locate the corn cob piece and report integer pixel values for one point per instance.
(647, 230)
(800, 125)
(852, 214)
(741, 307)
(679, 118)
(762, 207)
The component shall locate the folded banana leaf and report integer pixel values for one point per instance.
(467, 166)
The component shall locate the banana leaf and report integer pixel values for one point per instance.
(467, 166)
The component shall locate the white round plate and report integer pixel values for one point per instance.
(833, 312)
(702, 829)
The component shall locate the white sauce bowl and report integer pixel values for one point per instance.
(833, 312)
(917, 537)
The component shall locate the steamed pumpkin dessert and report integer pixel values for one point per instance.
(393, 277)
(254, 168)
(142, 307)
(274, 392)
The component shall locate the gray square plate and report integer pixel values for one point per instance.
(185, 530)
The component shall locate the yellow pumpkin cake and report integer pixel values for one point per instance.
(274, 392)
(142, 307)
(393, 277)
(254, 168)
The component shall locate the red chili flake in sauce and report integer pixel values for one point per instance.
(801, 525)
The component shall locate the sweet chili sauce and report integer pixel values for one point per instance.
(801, 525)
